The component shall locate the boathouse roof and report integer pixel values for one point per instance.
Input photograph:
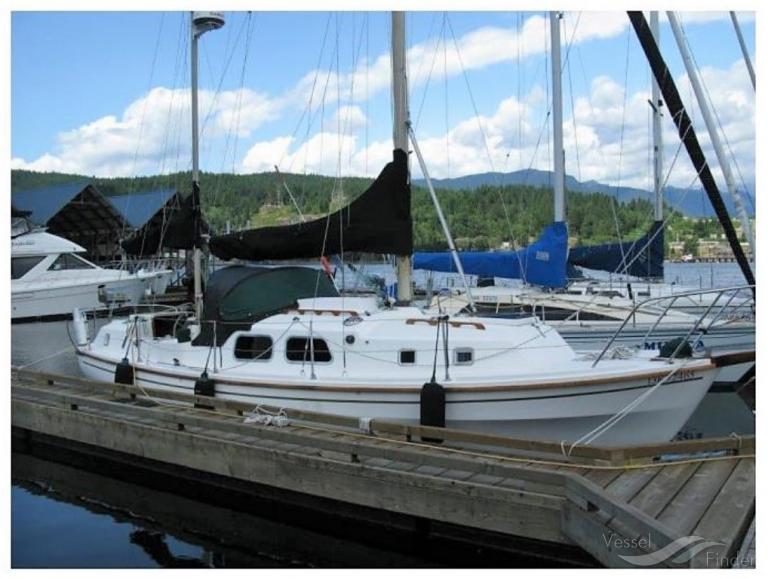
(69, 209)
(138, 208)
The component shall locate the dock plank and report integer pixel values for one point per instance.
(603, 477)
(689, 504)
(729, 514)
(662, 488)
(627, 485)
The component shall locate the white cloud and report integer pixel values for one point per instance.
(263, 156)
(613, 142)
(151, 135)
(733, 101)
(349, 118)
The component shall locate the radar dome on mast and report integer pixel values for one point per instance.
(205, 21)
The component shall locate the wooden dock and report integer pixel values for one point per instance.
(694, 498)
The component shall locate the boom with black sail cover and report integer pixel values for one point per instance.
(379, 221)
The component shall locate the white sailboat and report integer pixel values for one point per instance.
(285, 337)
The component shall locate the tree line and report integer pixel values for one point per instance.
(481, 218)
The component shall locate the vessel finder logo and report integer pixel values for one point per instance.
(677, 552)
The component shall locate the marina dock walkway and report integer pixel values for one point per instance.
(680, 504)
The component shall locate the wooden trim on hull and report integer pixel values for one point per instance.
(733, 358)
(561, 384)
(413, 396)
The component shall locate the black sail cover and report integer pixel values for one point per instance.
(175, 226)
(379, 221)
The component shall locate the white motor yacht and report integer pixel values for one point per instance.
(50, 279)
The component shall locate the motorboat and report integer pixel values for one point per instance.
(50, 278)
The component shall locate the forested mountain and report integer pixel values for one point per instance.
(480, 218)
(690, 202)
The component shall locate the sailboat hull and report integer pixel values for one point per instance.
(535, 411)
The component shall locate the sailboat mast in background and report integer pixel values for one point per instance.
(557, 118)
(658, 157)
(744, 51)
(202, 22)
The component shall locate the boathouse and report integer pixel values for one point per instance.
(76, 211)
(80, 212)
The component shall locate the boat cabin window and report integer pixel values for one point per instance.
(300, 350)
(253, 348)
(69, 261)
(21, 265)
(407, 357)
(463, 356)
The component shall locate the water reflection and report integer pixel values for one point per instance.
(155, 545)
(68, 517)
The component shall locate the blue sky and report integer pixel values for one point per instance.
(107, 93)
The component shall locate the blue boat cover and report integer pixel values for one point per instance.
(541, 263)
(643, 257)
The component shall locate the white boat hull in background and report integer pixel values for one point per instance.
(591, 337)
(50, 278)
(42, 302)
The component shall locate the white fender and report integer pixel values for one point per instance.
(80, 328)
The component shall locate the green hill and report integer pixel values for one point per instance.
(480, 218)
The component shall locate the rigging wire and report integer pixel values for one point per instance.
(367, 74)
(430, 37)
(573, 106)
(485, 141)
(248, 38)
(614, 200)
(142, 118)
(180, 48)
(712, 107)
(429, 74)
(307, 111)
(445, 89)
(549, 98)
(227, 62)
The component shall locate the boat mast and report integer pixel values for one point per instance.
(744, 51)
(658, 157)
(557, 117)
(400, 133)
(714, 135)
(201, 22)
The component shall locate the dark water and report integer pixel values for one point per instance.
(67, 516)
(50, 528)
